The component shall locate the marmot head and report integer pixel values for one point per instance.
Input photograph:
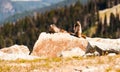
(53, 28)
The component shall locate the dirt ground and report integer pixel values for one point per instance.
(74, 64)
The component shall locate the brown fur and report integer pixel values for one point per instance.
(77, 29)
(83, 36)
(55, 29)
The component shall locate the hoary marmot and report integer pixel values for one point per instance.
(78, 30)
(55, 29)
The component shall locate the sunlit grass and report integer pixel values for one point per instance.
(111, 69)
(22, 65)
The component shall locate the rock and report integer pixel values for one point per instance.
(111, 54)
(16, 49)
(5, 56)
(104, 46)
(92, 54)
(51, 45)
(16, 52)
(73, 52)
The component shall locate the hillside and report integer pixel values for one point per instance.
(9, 7)
(17, 16)
(115, 10)
(20, 9)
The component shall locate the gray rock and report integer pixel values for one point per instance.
(16, 49)
(16, 52)
(103, 46)
(73, 52)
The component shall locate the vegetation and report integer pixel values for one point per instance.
(26, 30)
(103, 63)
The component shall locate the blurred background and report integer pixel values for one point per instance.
(21, 21)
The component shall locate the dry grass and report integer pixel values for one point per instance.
(98, 64)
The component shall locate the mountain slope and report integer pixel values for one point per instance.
(8, 7)
(22, 9)
(107, 12)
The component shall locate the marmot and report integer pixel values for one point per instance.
(78, 30)
(55, 29)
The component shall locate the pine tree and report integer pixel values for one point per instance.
(2, 42)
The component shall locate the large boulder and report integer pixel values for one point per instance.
(51, 45)
(103, 45)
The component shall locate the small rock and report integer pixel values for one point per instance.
(111, 54)
(16, 52)
(16, 49)
(73, 52)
